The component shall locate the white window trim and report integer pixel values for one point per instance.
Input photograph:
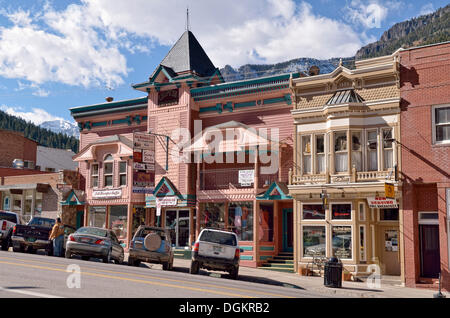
(96, 175)
(324, 153)
(363, 205)
(312, 220)
(367, 149)
(433, 124)
(301, 240)
(383, 129)
(311, 153)
(365, 243)
(123, 173)
(428, 221)
(341, 220)
(361, 149)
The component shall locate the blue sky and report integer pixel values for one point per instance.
(55, 55)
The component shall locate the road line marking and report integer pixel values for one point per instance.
(133, 280)
(29, 293)
(159, 278)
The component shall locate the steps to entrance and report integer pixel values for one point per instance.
(283, 262)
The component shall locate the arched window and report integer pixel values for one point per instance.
(108, 171)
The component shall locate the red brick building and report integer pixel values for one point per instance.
(425, 143)
(13, 145)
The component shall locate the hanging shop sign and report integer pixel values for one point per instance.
(246, 177)
(165, 202)
(382, 203)
(107, 194)
(143, 162)
(389, 191)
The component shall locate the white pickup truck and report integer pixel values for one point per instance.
(216, 250)
(7, 222)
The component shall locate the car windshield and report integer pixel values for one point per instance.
(92, 231)
(145, 231)
(8, 217)
(218, 237)
(42, 222)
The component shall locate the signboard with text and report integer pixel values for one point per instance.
(246, 177)
(143, 162)
(382, 203)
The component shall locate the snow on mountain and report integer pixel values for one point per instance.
(62, 126)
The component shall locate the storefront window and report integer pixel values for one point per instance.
(389, 214)
(341, 211)
(266, 222)
(97, 216)
(362, 245)
(118, 215)
(138, 218)
(314, 241)
(240, 220)
(342, 241)
(313, 212)
(212, 215)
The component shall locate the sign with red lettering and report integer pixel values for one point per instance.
(382, 203)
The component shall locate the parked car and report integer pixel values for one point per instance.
(7, 222)
(95, 242)
(33, 236)
(152, 245)
(216, 250)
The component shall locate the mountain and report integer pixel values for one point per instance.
(423, 30)
(249, 71)
(44, 137)
(62, 126)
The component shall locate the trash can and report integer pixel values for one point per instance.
(333, 273)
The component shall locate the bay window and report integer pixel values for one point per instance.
(108, 171)
(388, 150)
(122, 173)
(307, 154)
(340, 149)
(356, 150)
(372, 154)
(320, 154)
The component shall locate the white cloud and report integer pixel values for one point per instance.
(85, 44)
(369, 14)
(37, 116)
(427, 9)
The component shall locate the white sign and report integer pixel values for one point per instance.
(246, 177)
(144, 141)
(167, 201)
(107, 194)
(148, 156)
(143, 166)
(382, 203)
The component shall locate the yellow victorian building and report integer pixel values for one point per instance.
(346, 152)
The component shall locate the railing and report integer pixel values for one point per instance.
(343, 178)
(228, 178)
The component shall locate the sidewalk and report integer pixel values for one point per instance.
(315, 284)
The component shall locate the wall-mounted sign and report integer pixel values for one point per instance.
(389, 191)
(167, 98)
(143, 162)
(165, 202)
(382, 203)
(107, 194)
(246, 177)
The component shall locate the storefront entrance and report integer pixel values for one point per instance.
(177, 221)
(429, 251)
(390, 255)
(288, 227)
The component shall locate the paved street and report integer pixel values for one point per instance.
(28, 275)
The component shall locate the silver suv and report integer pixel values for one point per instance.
(216, 250)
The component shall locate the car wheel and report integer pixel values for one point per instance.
(85, 258)
(17, 249)
(137, 263)
(130, 261)
(6, 244)
(234, 272)
(107, 258)
(195, 267)
(31, 250)
(68, 254)
(165, 266)
(119, 260)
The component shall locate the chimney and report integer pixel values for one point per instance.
(109, 99)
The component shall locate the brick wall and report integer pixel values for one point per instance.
(14, 145)
(425, 82)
